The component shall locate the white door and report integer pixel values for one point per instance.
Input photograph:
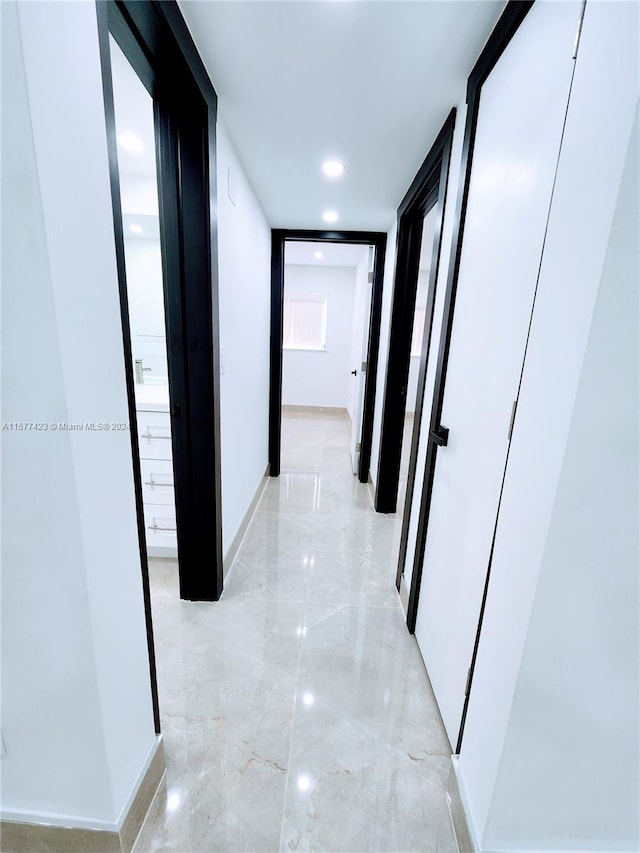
(359, 347)
(519, 131)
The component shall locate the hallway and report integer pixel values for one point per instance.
(296, 712)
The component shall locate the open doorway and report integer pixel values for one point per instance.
(161, 138)
(135, 132)
(161, 135)
(343, 376)
(327, 299)
(420, 218)
(421, 314)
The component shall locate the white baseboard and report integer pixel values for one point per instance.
(403, 595)
(463, 827)
(154, 752)
(55, 819)
(319, 410)
(372, 489)
(244, 524)
(158, 552)
(22, 829)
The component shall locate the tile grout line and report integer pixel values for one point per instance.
(295, 714)
(293, 728)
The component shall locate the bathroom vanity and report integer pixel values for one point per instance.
(154, 439)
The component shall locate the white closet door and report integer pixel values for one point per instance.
(521, 114)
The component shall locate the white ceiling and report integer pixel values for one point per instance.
(134, 114)
(133, 107)
(333, 254)
(369, 83)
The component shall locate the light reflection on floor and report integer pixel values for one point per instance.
(296, 711)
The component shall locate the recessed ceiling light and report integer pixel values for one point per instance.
(131, 142)
(333, 168)
(136, 229)
(330, 216)
(317, 255)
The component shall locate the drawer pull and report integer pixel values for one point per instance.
(156, 483)
(157, 527)
(149, 436)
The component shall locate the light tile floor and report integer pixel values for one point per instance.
(296, 711)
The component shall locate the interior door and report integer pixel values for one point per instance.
(517, 143)
(429, 253)
(360, 342)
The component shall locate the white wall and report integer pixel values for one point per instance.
(244, 268)
(412, 384)
(573, 731)
(550, 755)
(76, 699)
(359, 331)
(144, 286)
(146, 305)
(321, 378)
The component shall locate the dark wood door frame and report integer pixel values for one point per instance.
(421, 198)
(280, 236)
(155, 40)
(428, 188)
(508, 24)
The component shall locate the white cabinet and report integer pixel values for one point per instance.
(157, 481)
(154, 435)
(154, 441)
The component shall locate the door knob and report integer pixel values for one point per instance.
(354, 372)
(439, 436)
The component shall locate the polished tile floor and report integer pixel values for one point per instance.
(296, 712)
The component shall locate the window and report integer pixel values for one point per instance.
(305, 322)
(418, 328)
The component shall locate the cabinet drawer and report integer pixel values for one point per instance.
(154, 435)
(157, 481)
(160, 526)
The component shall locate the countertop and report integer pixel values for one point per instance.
(152, 398)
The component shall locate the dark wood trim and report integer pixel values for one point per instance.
(107, 88)
(421, 205)
(373, 351)
(422, 194)
(514, 14)
(157, 31)
(279, 236)
(275, 344)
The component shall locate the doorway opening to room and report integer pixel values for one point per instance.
(326, 303)
(326, 308)
(414, 325)
(160, 112)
